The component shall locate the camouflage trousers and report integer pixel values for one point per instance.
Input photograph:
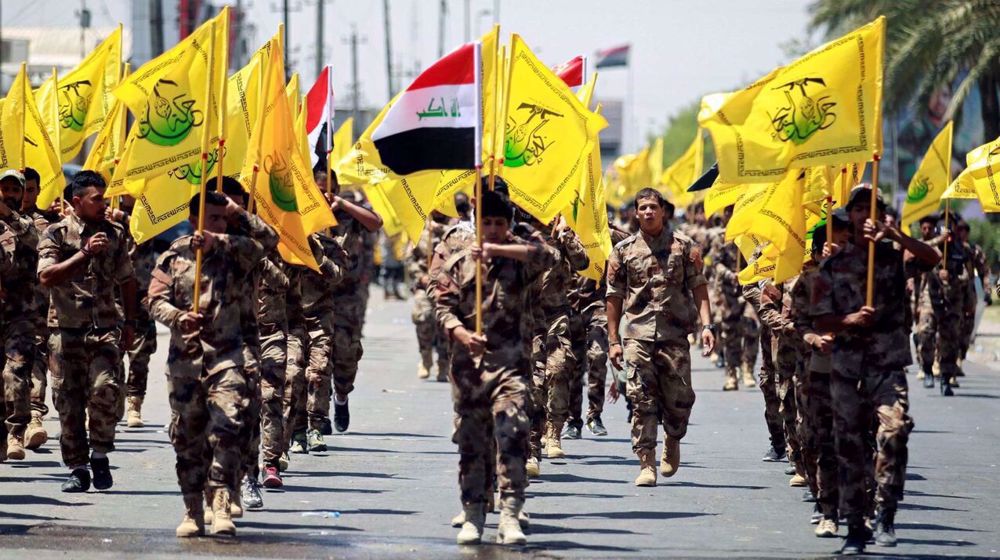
(16, 362)
(273, 367)
(85, 390)
(589, 337)
(294, 401)
(740, 339)
(251, 422)
(817, 438)
(40, 372)
(882, 397)
(538, 393)
(768, 383)
(207, 414)
(347, 349)
(939, 334)
(319, 355)
(138, 356)
(430, 337)
(968, 331)
(786, 364)
(659, 388)
(491, 404)
(560, 364)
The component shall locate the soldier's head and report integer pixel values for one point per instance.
(928, 226)
(462, 205)
(215, 211)
(652, 211)
(859, 205)
(12, 188)
(319, 176)
(32, 186)
(231, 188)
(497, 216)
(86, 194)
(963, 231)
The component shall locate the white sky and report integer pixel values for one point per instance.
(681, 49)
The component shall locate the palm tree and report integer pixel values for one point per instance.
(930, 43)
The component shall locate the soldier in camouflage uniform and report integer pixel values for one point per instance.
(295, 394)
(206, 377)
(916, 283)
(740, 336)
(19, 240)
(272, 288)
(768, 384)
(489, 372)
(82, 260)
(942, 303)
(870, 352)
(977, 267)
(429, 335)
(655, 278)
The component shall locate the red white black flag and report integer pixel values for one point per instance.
(319, 116)
(573, 72)
(435, 123)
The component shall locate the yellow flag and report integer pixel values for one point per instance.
(655, 158)
(103, 155)
(779, 219)
(342, 140)
(982, 175)
(746, 208)
(84, 97)
(547, 136)
(721, 195)
(242, 103)
(380, 204)
(162, 203)
(276, 176)
(173, 99)
(933, 176)
(823, 109)
(682, 173)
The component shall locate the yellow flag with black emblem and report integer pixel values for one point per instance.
(108, 144)
(822, 109)
(933, 175)
(83, 97)
(547, 136)
(981, 176)
(277, 177)
(173, 98)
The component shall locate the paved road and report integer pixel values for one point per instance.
(392, 480)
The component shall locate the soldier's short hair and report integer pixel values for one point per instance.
(214, 198)
(32, 175)
(230, 186)
(496, 205)
(85, 179)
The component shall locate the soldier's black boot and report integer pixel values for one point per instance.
(928, 378)
(78, 481)
(885, 527)
(946, 388)
(854, 544)
(102, 473)
(341, 415)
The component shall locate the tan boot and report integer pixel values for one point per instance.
(748, 379)
(35, 435)
(209, 518)
(671, 459)
(459, 519)
(236, 505)
(731, 383)
(15, 448)
(797, 481)
(424, 368)
(193, 524)
(222, 521)
(533, 468)
(509, 528)
(472, 524)
(647, 468)
(553, 441)
(134, 412)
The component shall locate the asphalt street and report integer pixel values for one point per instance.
(388, 487)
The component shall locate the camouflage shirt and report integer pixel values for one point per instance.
(587, 292)
(19, 239)
(350, 236)
(87, 298)
(654, 277)
(318, 288)
(556, 280)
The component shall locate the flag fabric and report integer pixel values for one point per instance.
(277, 177)
(823, 109)
(774, 217)
(174, 98)
(655, 159)
(319, 116)
(435, 122)
(162, 203)
(342, 140)
(243, 101)
(83, 97)
(684, 172)
(982, 175)
(611, 57)
(588, 216)
(103, 156)
(573, 72)
(548, 134)
(932, 178)
(722, 195)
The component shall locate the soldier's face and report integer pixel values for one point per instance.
(926, 230)
(90, 205)
(859, 213)
(12, 192)
(31, 191)
(841, 235)
(495, 229)
(215, 219)
(650, 215)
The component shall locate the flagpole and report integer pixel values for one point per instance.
(329, 129)
(873, 216)
(221, 153)
(24, 113)
(205, 136)
(121, 138)
(947, 219)
(477, 155)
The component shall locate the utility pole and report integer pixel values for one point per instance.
(388, 47)
(442, 17)
(156, 31)
(468, 23)
(355, 82)
(84, 14)
(320, 18)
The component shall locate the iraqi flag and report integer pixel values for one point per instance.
(435, 123)
(615, 56)
(319, 117)
(572, 72)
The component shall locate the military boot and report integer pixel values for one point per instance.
(509, 528)
(209, 496)
(424, 368)
(134, 412)
(671, 459)
(748, 378)
(731, 383)
(443, 366)
(928, 378)
(553, 441)
(885, 527)
(647, 468)
(533, 467)
(854, 544)
(35, 435)
(235, 505)
(193, 524)
(474, 518)
(222, 519)
(946, 388)
(15, 448)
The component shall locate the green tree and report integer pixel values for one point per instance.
(679, 133)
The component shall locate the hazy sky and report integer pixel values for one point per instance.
(680, 49)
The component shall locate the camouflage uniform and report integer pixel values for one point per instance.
(868, 382)
(295, 394)
(40, 367)
(272, 323)
(768, 379)
(143, 261)
(534, 330)
(921, 308)
(207, 380)
(85, 346)
(490, 393)
(19, 243)
(785, 349)
(654, 277)
(739, 328)
(430, 338)
(350, 296)
(977, 267)
(942, 305)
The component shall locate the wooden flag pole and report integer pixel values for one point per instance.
(24, 113)
(872, 215)
(947, 219)
(205, 136)
(223, 92)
